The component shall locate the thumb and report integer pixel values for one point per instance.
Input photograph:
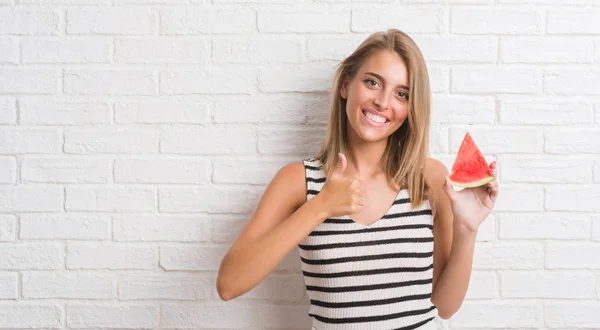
(341, 166)
(448, 188)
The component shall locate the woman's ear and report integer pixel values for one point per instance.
(344, 89)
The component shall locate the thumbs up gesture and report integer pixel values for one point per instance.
(342, 195)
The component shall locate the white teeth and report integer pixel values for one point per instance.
(375, 118)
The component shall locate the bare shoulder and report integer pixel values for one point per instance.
(435, 173)
(290, 180)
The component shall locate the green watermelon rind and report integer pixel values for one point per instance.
(473, 184)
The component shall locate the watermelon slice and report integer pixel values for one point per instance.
(470, 169)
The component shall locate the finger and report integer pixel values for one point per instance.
(341, 166)
(448, 188)
(493, 169)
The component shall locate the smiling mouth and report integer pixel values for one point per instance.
(375, 118)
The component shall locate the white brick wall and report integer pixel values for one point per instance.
(136, 137)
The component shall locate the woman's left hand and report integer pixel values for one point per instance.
(471, 206)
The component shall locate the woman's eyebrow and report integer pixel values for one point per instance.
(382, 79)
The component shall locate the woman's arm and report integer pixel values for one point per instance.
(282, 219)
(453, 250)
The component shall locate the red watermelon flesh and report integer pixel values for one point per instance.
(470, 169)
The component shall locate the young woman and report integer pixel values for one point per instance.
(385, 241)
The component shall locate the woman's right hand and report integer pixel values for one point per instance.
(342, 195)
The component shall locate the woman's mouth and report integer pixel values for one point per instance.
(373, 119)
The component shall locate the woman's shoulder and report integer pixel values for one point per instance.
(435, 175)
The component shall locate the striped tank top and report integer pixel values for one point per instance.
(369, 277)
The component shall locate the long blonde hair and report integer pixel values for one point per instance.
(407, 148)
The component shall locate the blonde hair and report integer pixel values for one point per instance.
(404, 158)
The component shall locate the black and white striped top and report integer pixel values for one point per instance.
(369, 277)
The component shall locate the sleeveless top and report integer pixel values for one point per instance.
(369, 277)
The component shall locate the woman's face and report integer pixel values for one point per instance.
(377, 96)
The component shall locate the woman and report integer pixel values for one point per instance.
(385, 241)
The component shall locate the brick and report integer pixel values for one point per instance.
(205, 314)
(19, 198)
(213, 80)
(158, 50)
(161, 228)
(31, 256)
(68, 285)
(483, 285)
(246, 171)
(513, 256)
(597, 47)
(300, 78)
(214, 199)
(451, 109)
(167, 286)
(572, 255)
(494, 21)
(543, 284)
(496, 315)
(544, 111)
(495, 80)
(111, 82)
(261, 109)
(9, 286)
(194, 20)
(452, 48)
(226, 140)
(332, 47)
(537, 50)
(63, 112)
(572, 141)
(546, 169)
(9, 50)
(494, 139)
(573, 22)
(280, 316)
(303, 20)
(162, 110)
(8, 169)
(572, 198)
(262, 49)
(64, 226)
(24, 315)
(19, 140)
(292, 141)
(111, 21)
(111, 140)
(161, 170)
(122, 315)
(573, 315)
(487, 230)
(112, 256)
(65, 2)
(8, 110)
(25, 80)
(439, 79)
(596, 229)
(227, 227)
(571, 81)
(597, 171)
(65, 50)
(410, 20)
(111, 199)
(8, 228)
(546, 2)
(152, 2)
(65, 170)
(438, 138)
(538, 226)
(29, 22)
(190, 257)
(520, 198)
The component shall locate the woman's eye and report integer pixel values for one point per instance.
(403, 95)
(371, 82)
